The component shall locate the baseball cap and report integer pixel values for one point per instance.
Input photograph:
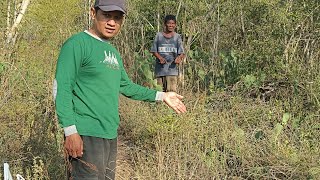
(111, 5)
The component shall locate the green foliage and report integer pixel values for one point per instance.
(279, 127)
(144, 65)
(250, 81)
(230, 64)
(2, 68)
(198, 68)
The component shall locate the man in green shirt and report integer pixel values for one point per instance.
(89, 78)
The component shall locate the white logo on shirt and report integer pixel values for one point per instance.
(110, 60)
(167, 49)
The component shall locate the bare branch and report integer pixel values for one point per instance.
(12, 31)
(8, 15)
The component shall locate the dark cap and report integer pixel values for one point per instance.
(111, 5)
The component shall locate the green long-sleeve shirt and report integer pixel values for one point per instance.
(89, 78)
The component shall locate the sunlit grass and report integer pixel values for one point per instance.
(213, 143)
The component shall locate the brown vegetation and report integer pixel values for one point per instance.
(251, 83)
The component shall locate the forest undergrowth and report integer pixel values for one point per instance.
(250, 81)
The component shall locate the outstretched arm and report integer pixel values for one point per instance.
(173, 100)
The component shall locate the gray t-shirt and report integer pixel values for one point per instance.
(169, 49)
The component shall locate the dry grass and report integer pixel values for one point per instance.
(124, 165)
(221, 137)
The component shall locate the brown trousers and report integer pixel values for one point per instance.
(168, 83)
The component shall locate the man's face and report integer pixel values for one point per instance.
(170, 25)
(106, 24)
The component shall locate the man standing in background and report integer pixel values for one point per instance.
(168, 50)
(90, 76)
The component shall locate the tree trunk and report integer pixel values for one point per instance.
(158, 16)
(8, 15)
(89, 15)
(11, 32)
